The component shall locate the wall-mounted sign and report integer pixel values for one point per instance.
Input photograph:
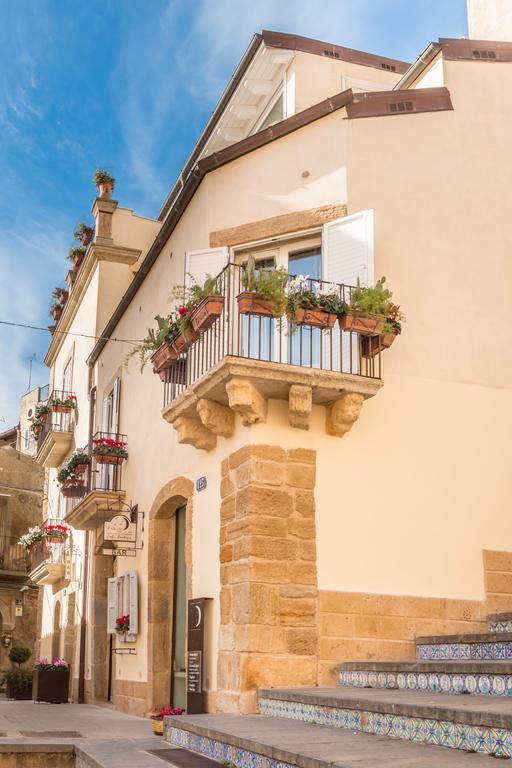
(19, 610)
(120, 528)
(195, 655)
(201, 483)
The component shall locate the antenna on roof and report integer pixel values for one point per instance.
(30, 361)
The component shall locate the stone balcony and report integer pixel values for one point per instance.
(48, 563)
(55, 439)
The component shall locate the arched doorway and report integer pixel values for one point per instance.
(56, 636)
(169, 571)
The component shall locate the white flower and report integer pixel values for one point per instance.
(299, 284)
(329, 289)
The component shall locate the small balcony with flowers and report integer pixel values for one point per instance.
(52, 428)
(253, 334)
(92, 479)
(48, 548)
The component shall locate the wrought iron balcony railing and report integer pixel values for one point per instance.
(13, 556)
(102, 473)
(59, 417)
(52, 552)
(270, 339)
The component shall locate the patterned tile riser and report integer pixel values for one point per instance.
(500, 626)
(465, 651)
(217, 750)
(492, 685)
(489, 741)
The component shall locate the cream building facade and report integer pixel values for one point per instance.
(327, 507)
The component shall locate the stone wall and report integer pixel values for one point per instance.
(269, 596)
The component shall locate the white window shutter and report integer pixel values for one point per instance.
(112, 605)
(347, 257)
(199, 264)
(116, 395)
(133, 601)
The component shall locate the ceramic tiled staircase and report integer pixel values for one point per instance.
(409, 713)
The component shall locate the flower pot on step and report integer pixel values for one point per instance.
(182, 342)
(318, 318)
(206, 313)
(366, 324)
(372, 345)
(163, 357)
(51, 685)
(158, 727)
(19, 693)
(250, 303)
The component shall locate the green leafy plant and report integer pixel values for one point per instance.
(19, 654)
(304, 293)
(167, 329)
(83, 232)
(69, 402)
(269, 284)
(102, 177)
(41, 409)
(378, 300)
(76, 252)
(18, 679)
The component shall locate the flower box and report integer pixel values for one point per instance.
(74, 490)
(51, 685)
(366, 324)
(185, 339)
(56, 312)
(318, 318)
(56, 534)
(108, 458)
(250, 303)
(163, 357)
(18, 692)
(207, 312)
(373, 345)
(61, 409)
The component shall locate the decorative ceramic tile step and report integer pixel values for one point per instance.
(500, 622)
(469, 723)
(252, 741)
(485, 677)
(459, 647)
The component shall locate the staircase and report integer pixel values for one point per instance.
(456, 694)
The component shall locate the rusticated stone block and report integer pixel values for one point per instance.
(263, 501)
(298, 611)
(304, 503)
(301, 455)
(263, 526)
(301, 475)
(193, 432)
(225, 605)
(303, 529)
(226, 487)
(255, 604)
(259, 472)
(227, 510)
(265, 547)
(279, 671)
(216, 417)
(301, 641)
(300, 402)
(244, 398)
(341, 415)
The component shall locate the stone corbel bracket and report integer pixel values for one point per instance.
(241, 386)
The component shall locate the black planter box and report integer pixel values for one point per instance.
(51, 685)
(20, 694)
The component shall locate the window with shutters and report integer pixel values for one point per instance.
(122, 600)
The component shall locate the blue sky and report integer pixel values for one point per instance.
(128, 85)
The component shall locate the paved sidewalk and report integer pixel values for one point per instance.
(106, 738)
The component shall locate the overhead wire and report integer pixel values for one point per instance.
(70, 333)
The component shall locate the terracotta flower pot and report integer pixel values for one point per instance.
(86, 236)
(73, 491)
(36, 431)
(108, 458)
(250, 303)
(163, 357)
(158, 727)
(52, 538)
(105, 189)
(63, 296)
(175, 374)
(366, 324)
(56, 313)
(77, 261)
(372, 345)
(206, 313)
(80, 469)
(61, 408)
(318, 318)
(43, 417)
(182, 342)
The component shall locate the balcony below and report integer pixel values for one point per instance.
(14, 560)
(243, 360)
(55, 438)
(100, 490)
(48, 562)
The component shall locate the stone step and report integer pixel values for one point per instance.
(487, 646)
(500, 622)
(253, 741)
(492, 678)
(472, 723)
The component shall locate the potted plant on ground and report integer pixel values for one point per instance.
(105, 183)
(264, 290)
(33, 535)
(76, 256)
(372, 345)
(51, 681)
(63, 405)
(368, 309)
(310, 303)
(56, 534)
(157, 718)
(108, 451)
(83, 233)
(18, 681)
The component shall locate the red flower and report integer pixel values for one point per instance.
(182, 311)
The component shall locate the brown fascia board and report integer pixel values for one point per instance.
(9, 434)
(394, 103)
(192, 182)
(465, 49)
(205, 135)
(331, 51)
(418, 66)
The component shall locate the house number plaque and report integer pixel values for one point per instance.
(195, 655)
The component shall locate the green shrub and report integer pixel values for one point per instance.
(20, 679)
(19, 654)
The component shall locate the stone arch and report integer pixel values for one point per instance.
(57, 629)
(175, 494)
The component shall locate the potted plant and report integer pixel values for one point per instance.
(108, 451)
(368, 309)
(36, 426)
(157, 718)
(205, 303)
(157, 345)
(83, 233)
(264, 291)
(51, 681)
(18, 681)
(41, 412)
(105, 183)
(313, 304)
(60, 295)
(56, 310)
(373, 345)
(33, 535)
(187, 335)
(73, 487)
(123, 624)
(63, 405)
(55, 533)
(76, 256)
(79, 462)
